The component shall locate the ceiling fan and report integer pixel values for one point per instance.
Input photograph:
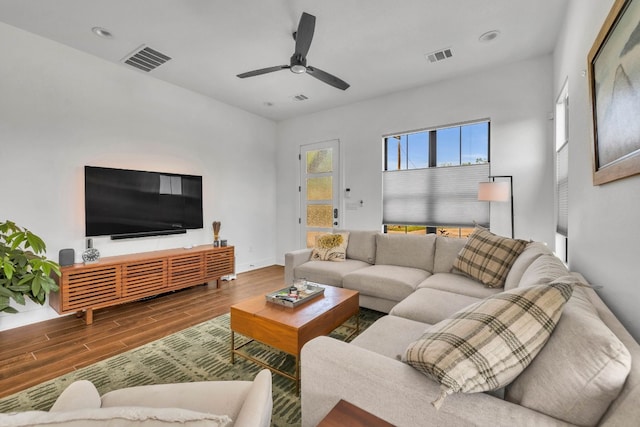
(298, 62)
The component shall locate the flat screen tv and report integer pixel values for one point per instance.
(128, 203)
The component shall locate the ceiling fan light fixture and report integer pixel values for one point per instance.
(298, 69)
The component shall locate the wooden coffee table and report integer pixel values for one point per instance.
(288, 329)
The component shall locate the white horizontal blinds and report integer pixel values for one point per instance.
(442, 196)
(562, 183)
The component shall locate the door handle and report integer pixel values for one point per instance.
(335, 213)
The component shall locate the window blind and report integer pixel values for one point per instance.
(562, 190)
(440, 196)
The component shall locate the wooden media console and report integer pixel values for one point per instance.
(124, 278)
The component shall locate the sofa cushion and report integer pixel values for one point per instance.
(406, 250)
(488, 344)
(119, 415)
(327, 273)
(330, 247)
(447, 249)
(458, 284)
(487, 257)
(390, 335)
(385, 281)
(544, 269)
(362, 245)
(580, 371)
(431, 305)
(531, 252)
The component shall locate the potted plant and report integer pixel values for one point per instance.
(23, 272)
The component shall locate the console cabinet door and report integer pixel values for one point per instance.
(219, 263)
(90, 287)
(144, 278)
(186, 270)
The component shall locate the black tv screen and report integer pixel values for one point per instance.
(128, 203)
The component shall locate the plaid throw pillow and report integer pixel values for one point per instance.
(488, 258)
(330, 247)
(486, 345)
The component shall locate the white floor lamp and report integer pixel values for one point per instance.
(493, 191)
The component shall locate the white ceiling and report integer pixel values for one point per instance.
(377, 46)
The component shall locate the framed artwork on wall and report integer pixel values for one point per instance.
(614, 83)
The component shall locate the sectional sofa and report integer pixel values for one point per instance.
(583, 375)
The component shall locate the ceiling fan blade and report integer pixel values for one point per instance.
(327, 78)
(304, 35)
(263, 71)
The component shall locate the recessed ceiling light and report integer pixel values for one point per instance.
(102, 32)
(489, 36)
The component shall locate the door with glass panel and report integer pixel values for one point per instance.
(319, 189)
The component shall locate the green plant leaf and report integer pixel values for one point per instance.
(36, 243)
(8, 268)
(7, 309)
(5, 292)
(16, 239)
(35, 285)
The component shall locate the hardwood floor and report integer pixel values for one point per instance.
(35, 353)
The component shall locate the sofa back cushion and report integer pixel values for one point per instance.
(406, 250)
(580, 371)
(544, 269)
(531, 252)
(447, 249)
(362, 245)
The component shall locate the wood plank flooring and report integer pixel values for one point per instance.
(35, 353)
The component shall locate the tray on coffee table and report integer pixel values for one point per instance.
(285, 297)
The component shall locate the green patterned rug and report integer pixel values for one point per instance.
(199, 353)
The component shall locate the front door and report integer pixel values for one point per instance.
(319, 189)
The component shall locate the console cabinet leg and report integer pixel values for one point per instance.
(88, 316)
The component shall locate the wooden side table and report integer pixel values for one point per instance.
(344, 414)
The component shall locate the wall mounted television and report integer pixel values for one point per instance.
(128, 203)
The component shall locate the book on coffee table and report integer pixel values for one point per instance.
(293, 297)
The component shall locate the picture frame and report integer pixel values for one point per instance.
(614, 86)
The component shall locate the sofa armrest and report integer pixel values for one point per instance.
(332, 370)
(79, 395)
(292, 260)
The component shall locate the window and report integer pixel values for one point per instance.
(430, 180)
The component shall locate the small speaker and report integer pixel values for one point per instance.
(66, 257)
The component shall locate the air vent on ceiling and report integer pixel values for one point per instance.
(146, 59)
(300, 97)
(439, 55)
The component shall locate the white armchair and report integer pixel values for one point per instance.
(207, 403)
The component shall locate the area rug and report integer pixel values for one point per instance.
(199, 353)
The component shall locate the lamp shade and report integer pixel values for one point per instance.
(493, 191)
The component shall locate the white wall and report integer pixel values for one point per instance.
(603, 220)
(518, 100)
(61, 109)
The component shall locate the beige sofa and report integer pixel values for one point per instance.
(196, 404)
(584, 375)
